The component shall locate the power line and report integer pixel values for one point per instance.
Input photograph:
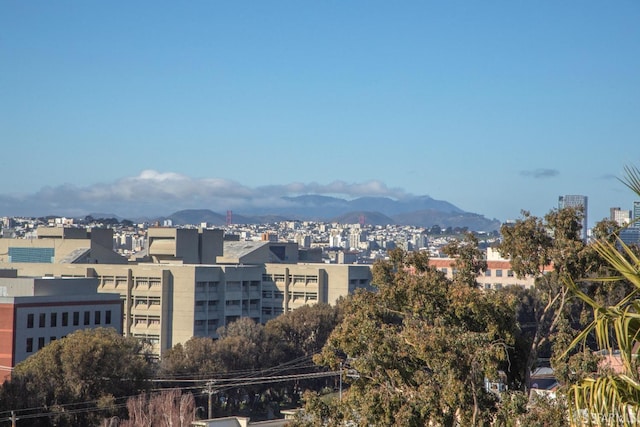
(228, 383)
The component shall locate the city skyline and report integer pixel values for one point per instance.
(495, 108)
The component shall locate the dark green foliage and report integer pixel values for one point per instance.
(90, 367)
(422, 346)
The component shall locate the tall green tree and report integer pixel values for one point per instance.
(421, 345)
(549, 250)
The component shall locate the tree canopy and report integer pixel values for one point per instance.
(92, 368)
(421, 346)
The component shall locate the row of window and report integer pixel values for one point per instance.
(144, 301)
(272, 294)
(296, 278)
(67, 318)
(40, 343)
(294, 295)
(487, 273)
(275, 311)
(146, 321)
(498, 272)
(211, 286)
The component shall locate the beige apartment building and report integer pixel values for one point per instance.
(188, 282)
(498, 274)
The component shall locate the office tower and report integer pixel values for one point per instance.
(578, 202)
(622, 217)
(636, 214)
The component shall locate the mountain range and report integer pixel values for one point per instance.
(421, 211)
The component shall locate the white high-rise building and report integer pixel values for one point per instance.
(636, 214)
(621, 216)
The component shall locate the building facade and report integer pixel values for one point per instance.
(187, 283)
(498, 274)
(35, 311)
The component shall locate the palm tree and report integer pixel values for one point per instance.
(613, 398)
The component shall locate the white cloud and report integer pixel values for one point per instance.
(161, 193)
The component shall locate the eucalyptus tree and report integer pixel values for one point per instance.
(420, 346)
(548, 249)
(612, 397)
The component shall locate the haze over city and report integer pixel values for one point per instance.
(151, 107)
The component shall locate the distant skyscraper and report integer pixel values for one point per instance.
(636, 214)
(576, 201)
(621, 216)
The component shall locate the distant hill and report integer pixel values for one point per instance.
(430, 217)
(420, 211)
(371, 218)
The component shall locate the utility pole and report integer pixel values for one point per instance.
(210, 391)
(340, 381)
(13, 419)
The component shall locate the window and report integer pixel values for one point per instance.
(87, 317)
(54, 320)
(40, 342)
(498, 273)
(509, 273)
(30, 320)
(76, 318)
(487, 272)
(52, 339)
(29, 345)
(42, 320)
(27, 254)
(65, 319)
(107, 317)
(96, 317)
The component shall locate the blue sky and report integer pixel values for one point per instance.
(493, 106)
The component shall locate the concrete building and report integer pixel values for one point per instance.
(35, 311)
(622, 217)
(258, 252)
(62, 245)
(286, 287)
(188, 282)
(186, 245)
(166, 304)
